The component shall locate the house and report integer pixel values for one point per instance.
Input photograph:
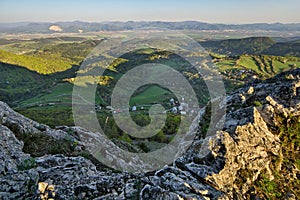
(183, 112)
(174, 110)
(133, 108)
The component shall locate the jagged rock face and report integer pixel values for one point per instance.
(15, 183)
(11, 151)
(21, 125)
(222, 166)
(248, 152)
(228, 162)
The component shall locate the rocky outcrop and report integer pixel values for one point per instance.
(16, 180)
(248, 152)
(21, 125)
(10, 148)
(225, 165)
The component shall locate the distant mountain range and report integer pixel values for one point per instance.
(80, 26)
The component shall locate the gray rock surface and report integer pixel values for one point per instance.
(16, 181)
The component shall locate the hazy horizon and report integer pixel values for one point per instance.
(124, 21)
(220, 12)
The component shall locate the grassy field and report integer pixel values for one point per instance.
(227, 64)
(152, 94)
(59, 95)
(265, 66)
(55, 107)
(248, 62)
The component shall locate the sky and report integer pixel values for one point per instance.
(211, 11)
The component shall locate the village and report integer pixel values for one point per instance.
(173, 106)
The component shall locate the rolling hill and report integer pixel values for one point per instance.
(254, 46)
(19, 83)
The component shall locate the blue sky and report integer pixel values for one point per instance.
(213, 11)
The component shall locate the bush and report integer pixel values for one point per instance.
(125, 138)
(257, 103)
(27, 164)
(39, 144)
(144, 147)
(269, 188)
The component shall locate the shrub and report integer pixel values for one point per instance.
(27, 164)
(257, 103)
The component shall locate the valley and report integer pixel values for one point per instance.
(37, 73)
(40, 69)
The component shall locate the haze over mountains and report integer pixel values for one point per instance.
(77, 26)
